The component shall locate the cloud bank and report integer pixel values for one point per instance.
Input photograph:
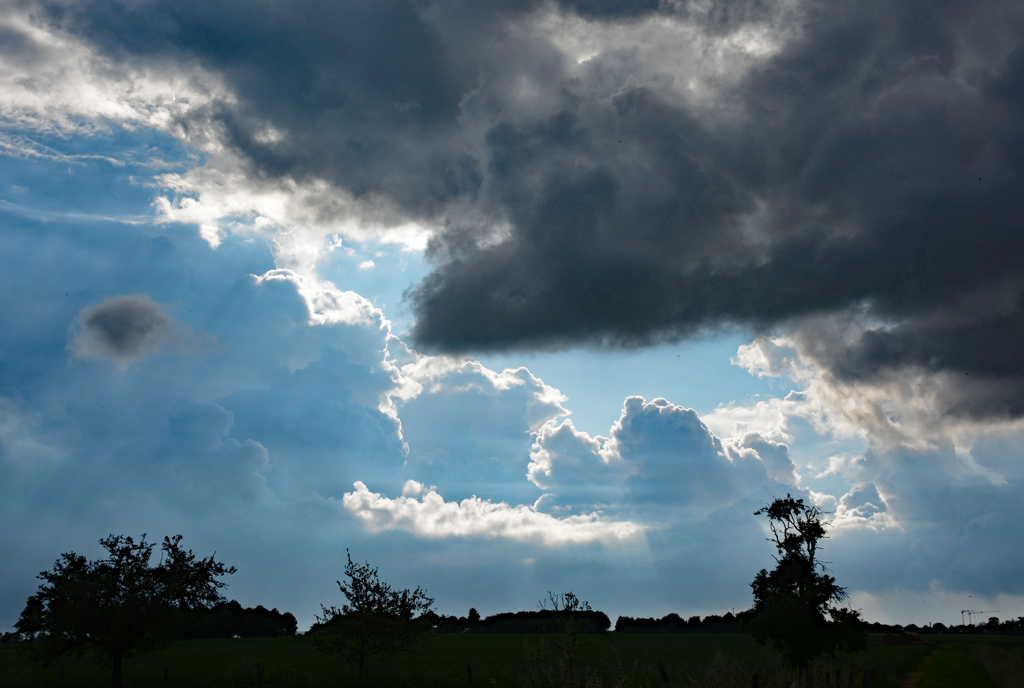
(432, 517)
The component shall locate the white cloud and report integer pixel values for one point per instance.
(659, 458)
(54, 82)
(469, 428)
(678, 460)
(862, 503)
(846, 465)
(448, 376)
(51, 81)
(432, 517)
(895, 409)
(221, 197)
(562, 456)
(327, 304)
(767, 417)
(774, 456)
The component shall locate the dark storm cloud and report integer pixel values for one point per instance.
(366, 94)
(872, 164)
(121, 329)
(887, 173)
(875, 167)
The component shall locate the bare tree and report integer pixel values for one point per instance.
(568, 606)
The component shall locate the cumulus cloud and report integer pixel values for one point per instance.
(326, 303)
(222, 447)
(660, 459)
(679, 462)
(467, 427)
(432, 517)
(863, 501)
(932, 519)
(563, 455)
(774, 455)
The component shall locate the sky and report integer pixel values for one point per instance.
(519, 296)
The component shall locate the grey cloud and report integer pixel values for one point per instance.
(469, 434)
(972, 358)
(774, 456)
(860, 189)
(121, 329)
(679, 462)
(954, 525)
(862, 501)
(660, 458)
(875, 168)
(871, 164)
(19, 47)
(575, 471)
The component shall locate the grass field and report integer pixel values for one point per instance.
(517, 661)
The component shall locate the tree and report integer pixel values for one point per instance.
(794, 605)
(10, 638)
(568, 607)
(118, 606)
(376, 620)
(473, 616)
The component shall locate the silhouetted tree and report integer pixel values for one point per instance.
(568, 607)
(794, 603)
(473, 616)
(376, 620)
(118, 606)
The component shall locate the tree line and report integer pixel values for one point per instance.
(122, 605)
(540, 621)
(673, 623)
(232, 620)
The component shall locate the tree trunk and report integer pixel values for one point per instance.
(115, 681)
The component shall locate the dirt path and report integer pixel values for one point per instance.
(949, 667)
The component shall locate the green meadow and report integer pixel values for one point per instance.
(468, 661)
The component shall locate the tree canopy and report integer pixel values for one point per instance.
(795, 604)
(120, 605)
(375, 620)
